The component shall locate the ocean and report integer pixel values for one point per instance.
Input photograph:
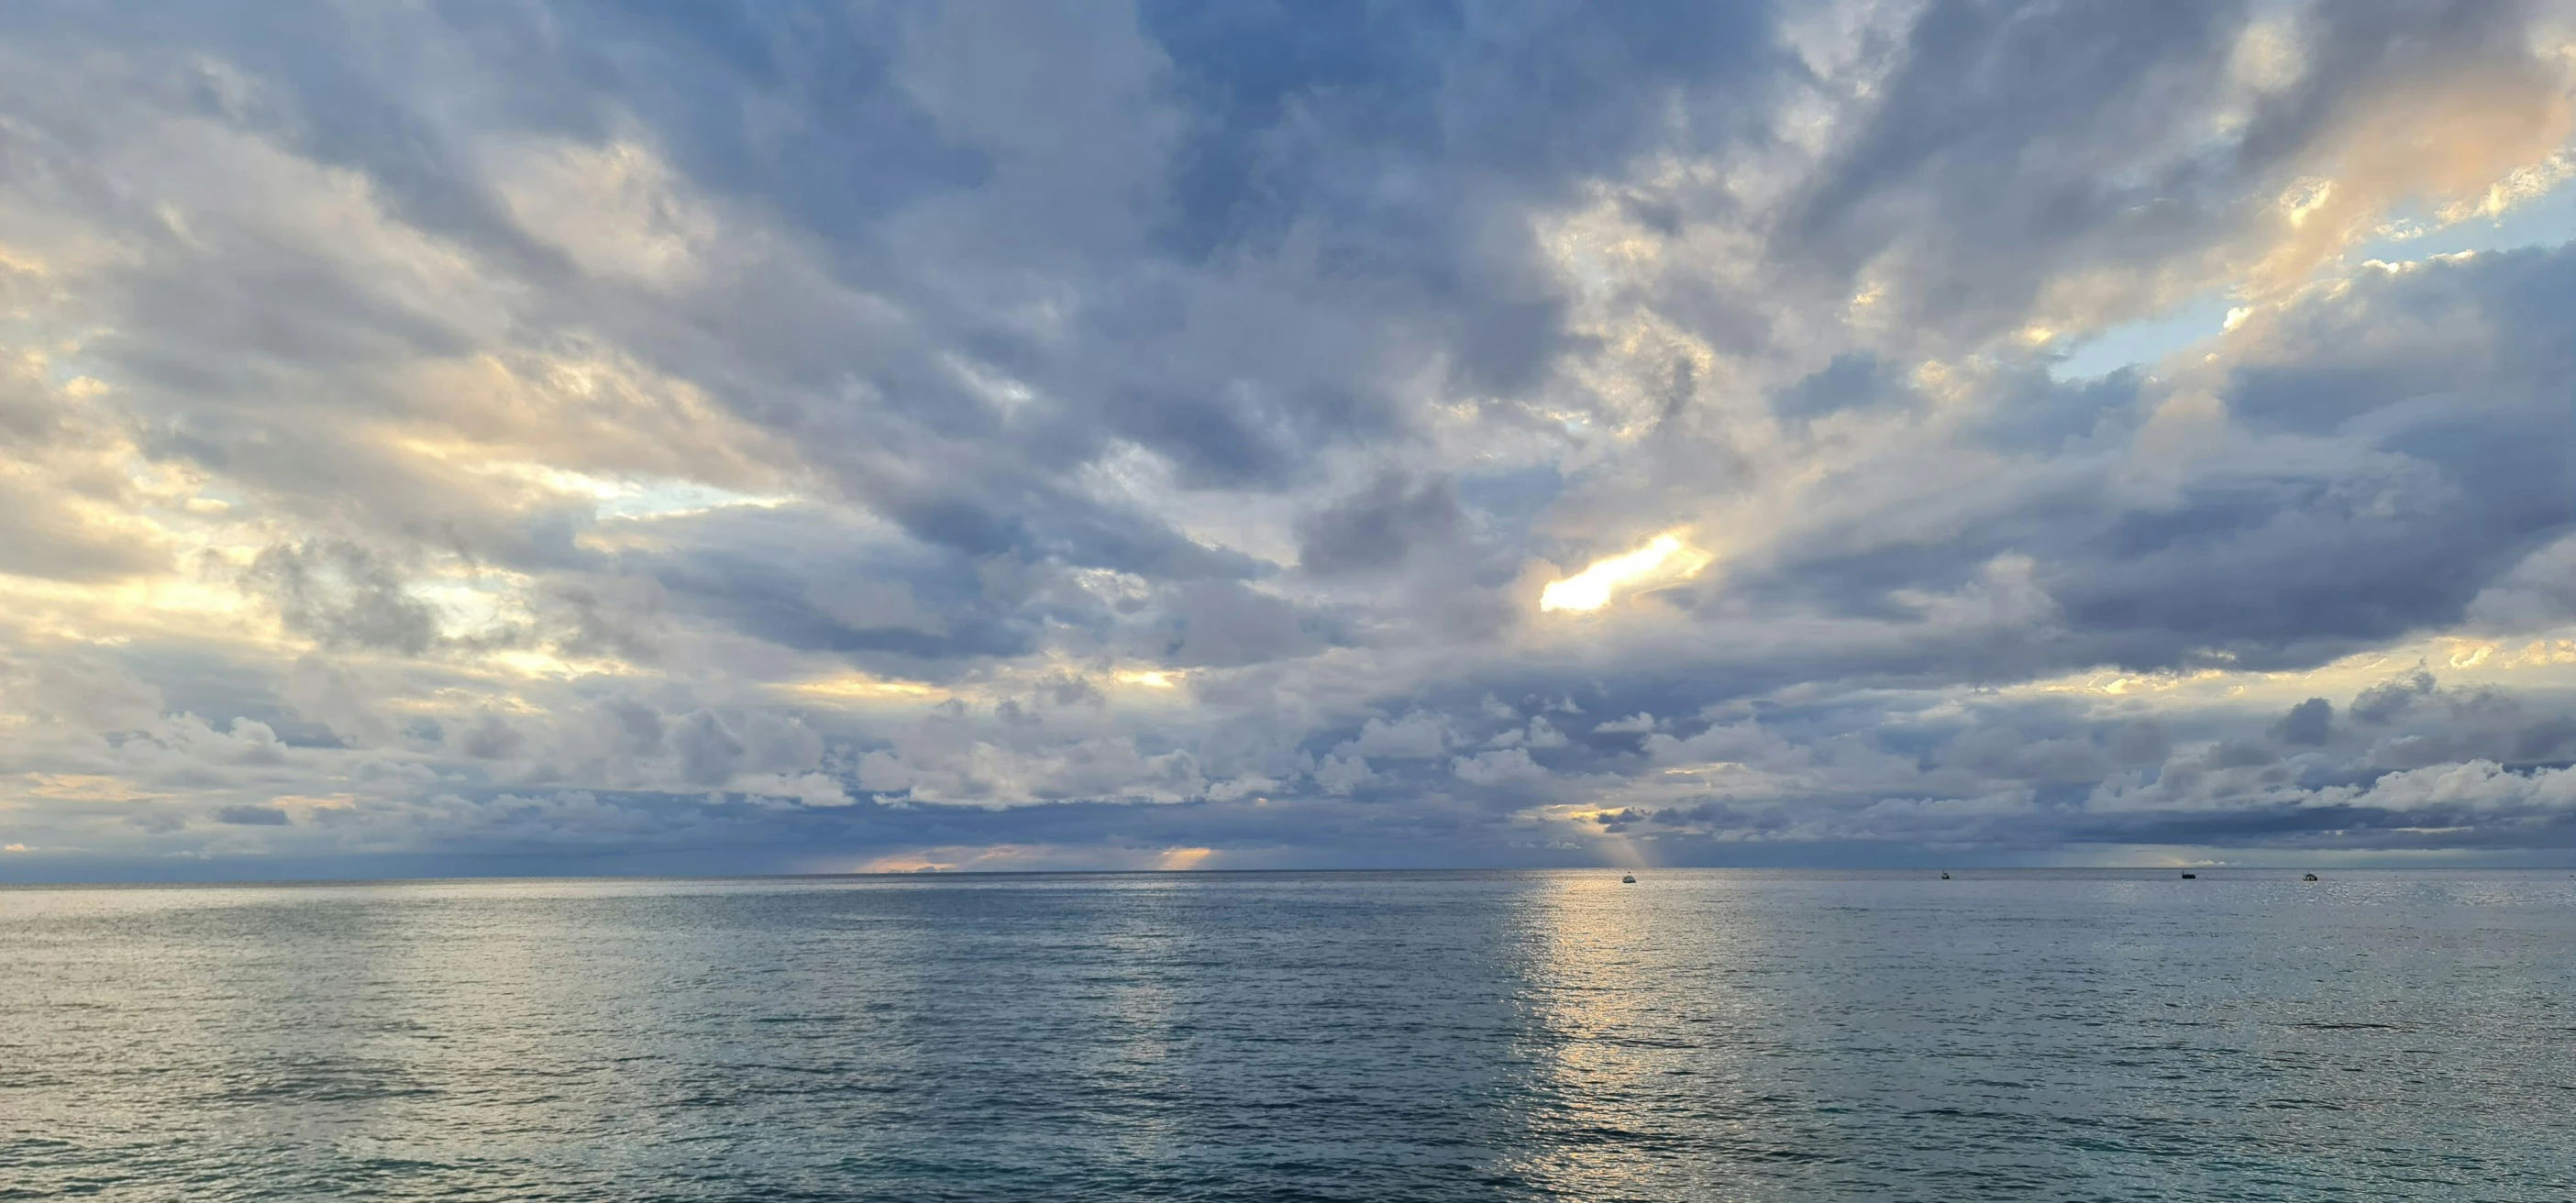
(1701, 1034)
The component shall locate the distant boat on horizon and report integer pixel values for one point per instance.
(1945, 875)
(2307, 877)
(1627, 879)
(2190, 876)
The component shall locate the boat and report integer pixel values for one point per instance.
(2307, 877)
(2189, 876)
(1627, 879)
(1945, 876)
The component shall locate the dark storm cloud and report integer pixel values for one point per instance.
(2001, 148)
(912, 606)
(2307, 723)
(2436, 467)
(2392, 697)
(2378, 462)
(252, 816)
(1851, 381)
(1381, 526)
(342, 595)
(1402, 142)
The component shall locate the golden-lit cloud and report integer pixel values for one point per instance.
(1663, 560)
(2465, 147)
(860, 687)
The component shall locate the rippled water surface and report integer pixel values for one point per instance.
(1712, 1035)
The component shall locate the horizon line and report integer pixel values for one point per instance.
(915, 874)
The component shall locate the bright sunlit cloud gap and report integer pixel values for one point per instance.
(1664, 559)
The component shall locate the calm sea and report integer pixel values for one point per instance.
(1369, 1036)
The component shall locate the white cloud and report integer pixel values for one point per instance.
(1501, 767)
(1416, 736)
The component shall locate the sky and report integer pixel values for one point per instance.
(542, 436)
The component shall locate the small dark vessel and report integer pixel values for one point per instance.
(2189, 876)
(1627, 879)
(1945, 876)
(2307, 877)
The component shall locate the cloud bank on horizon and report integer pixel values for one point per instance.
(557, 436)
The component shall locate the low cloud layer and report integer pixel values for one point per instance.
(547, 438)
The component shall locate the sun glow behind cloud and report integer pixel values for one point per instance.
(1663, 560)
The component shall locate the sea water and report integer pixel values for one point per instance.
(1365, 1036)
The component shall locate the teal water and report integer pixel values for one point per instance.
(1698, 1035)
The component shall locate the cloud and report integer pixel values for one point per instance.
(2309, 723)
(1416, 736)
(2392, 697)
(341, 595)
(1388, 524)
(817, 437)
(1498, 767)
(1639, 723)
(251, 816)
